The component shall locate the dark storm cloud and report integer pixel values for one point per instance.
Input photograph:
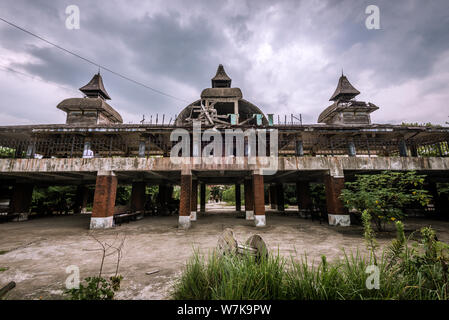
(285, 55)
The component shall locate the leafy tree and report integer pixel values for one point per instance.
(123, 195)
(217, 192)
(52, 199)
(385, 195)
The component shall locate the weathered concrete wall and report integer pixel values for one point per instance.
(336, 165)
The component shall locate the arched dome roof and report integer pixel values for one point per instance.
(246, 109)
(223, 97)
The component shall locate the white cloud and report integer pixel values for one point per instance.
(286, 56)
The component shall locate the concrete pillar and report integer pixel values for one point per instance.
(273, 196)
(249, 199)
(184, 201)
(303, 198)
(82, 194)
(194, 200)
(337, 213)
(138, 197)
(104, 200)
(21, 201)
(203, 197)
(238, 200)
(280, 197)
(259, 201)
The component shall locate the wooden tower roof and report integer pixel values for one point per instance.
(221, 79)
(95, 88)
(345, 90)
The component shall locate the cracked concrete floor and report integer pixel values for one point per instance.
(35, 253)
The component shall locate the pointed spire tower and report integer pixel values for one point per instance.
(221, 79)
(346, 110)
(95, 88)
(92, 109)
(345, 90)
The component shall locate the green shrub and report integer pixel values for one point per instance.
(385, 195)
(96, 288)
(100, 287)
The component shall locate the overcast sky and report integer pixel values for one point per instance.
(286, 56)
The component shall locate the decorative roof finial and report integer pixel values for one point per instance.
(221, 79)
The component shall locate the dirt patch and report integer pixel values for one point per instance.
(37, 252)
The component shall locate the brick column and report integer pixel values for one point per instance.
(82, 194)
(202, 197)
(303, 198)
(337, 213)
(249, 199)
(194, 200)
(259, 201)
(238, 200)
(104, 200)
(138, 197)
(184, 201)
(280, 197)
(21, 201)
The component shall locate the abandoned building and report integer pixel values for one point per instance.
(95, 147)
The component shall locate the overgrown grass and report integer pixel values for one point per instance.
(405, 272)
(231, 277)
